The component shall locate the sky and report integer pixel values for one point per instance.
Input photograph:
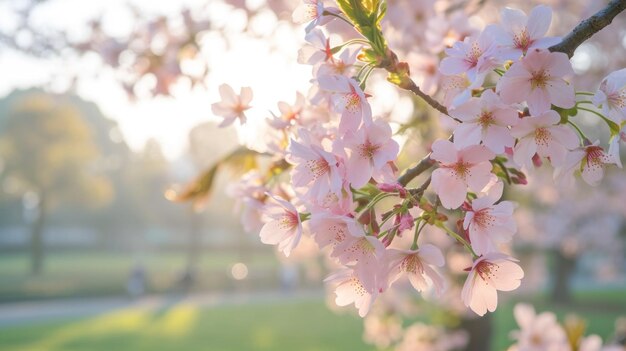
(246, 62)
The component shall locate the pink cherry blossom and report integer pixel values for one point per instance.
(488, 223)
(350, 289)
(543, 135)
(370, 149)
(458, 89)
(329, 229)
(417, 265)
(289, 114)
(474, 56)
(349, 100)
(359, 249)
(590, 343)
(283, 225)
(458, 170)
(519, 34)
(590, 160)
(343, 65)
(232, 106)
(487, 120)
(313, 11)
(315, 168)
(538, 79)
(318, 51)
(611, 95)
(490, 273)
(538, 332)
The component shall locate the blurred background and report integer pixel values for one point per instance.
(105, 114)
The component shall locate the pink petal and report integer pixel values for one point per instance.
(539, 21)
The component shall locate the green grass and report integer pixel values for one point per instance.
(92, 273)
(303, 325)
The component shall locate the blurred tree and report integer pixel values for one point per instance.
(50, 156)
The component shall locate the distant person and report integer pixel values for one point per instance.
(136, 285)
(289, 277)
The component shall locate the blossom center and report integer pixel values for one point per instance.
(539, 79)
(412, 264)
(521, 40)
(486, 270)
(352, 101)
(486, 119)
(288, 220)
(595, 156)
(483, 218)
(473, 55)
(617, 100)
(542, 136)
(318, 167)
(367, 149)
(462, 169)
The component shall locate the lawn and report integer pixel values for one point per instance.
(302, 325)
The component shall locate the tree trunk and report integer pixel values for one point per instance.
(36, 239)
(564, 267)
(193, 250)
(479, 331)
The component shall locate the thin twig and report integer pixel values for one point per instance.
(585, 29)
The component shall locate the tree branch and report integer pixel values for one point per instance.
(413, 172)
(568, 45)
(585, 29)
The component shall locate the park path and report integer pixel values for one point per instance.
(21, 313)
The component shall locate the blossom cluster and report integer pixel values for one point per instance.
(543, 332)
(513, 108)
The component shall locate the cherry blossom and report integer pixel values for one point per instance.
(418, 266)
(312, 11)
(289, 114)
(250, 193)
(349, 100)
(489, 223)
(611, 96)
(350, 289)
(343, 65)
(369, 150)
(359, 249)
(543, 135)
(474, 56)
(490, 273)
(519, 33)
(283, 225)
(315, 168)
(538, 79)
(232, 105)
(458, 170)
(458, 88)
(318, 51)
(590, 160)
(538, 332)
(331, 229)
(487, 120)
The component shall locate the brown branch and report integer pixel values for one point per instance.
(412, 87)
(413, 172)
(585, 29)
